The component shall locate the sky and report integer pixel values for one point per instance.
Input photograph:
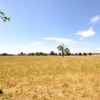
(42, 25)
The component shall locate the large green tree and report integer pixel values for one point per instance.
(67, 51)
(4, 17)
(63, 50)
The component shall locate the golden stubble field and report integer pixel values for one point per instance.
(50, 78)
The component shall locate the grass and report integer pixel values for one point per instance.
(50, 78)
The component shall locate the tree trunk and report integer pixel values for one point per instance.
(62, 54)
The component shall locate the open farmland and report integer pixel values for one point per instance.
(50, 78)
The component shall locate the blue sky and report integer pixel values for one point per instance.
(42, 25)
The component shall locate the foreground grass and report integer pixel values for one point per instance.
(50, 78)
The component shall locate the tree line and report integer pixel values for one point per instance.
(63, 51)
(52, 53)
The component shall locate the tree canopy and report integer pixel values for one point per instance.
(64, 50)
(61, 48)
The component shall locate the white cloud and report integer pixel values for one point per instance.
(86, 33)
(62, 40)
(95, 19)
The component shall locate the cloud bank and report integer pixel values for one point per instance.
(86, 33)
(95, 19)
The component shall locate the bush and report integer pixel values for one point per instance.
(80, 54)
(84, 54)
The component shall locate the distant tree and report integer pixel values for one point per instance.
(22, 54)
(63, 50)
(80, 54)
(31, 54)
(90, 53)
(37, 54)
(84, 53)
(4, 17)
(52, 53)
(44, 54)
(67, 51)
(4, 54)
(76, 54)
(41, 53)
(56, 54)
(59, 53)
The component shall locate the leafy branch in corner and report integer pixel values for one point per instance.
(4, 17)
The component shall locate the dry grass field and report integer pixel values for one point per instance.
(50, 78)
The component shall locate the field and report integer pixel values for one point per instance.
(50, 78)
